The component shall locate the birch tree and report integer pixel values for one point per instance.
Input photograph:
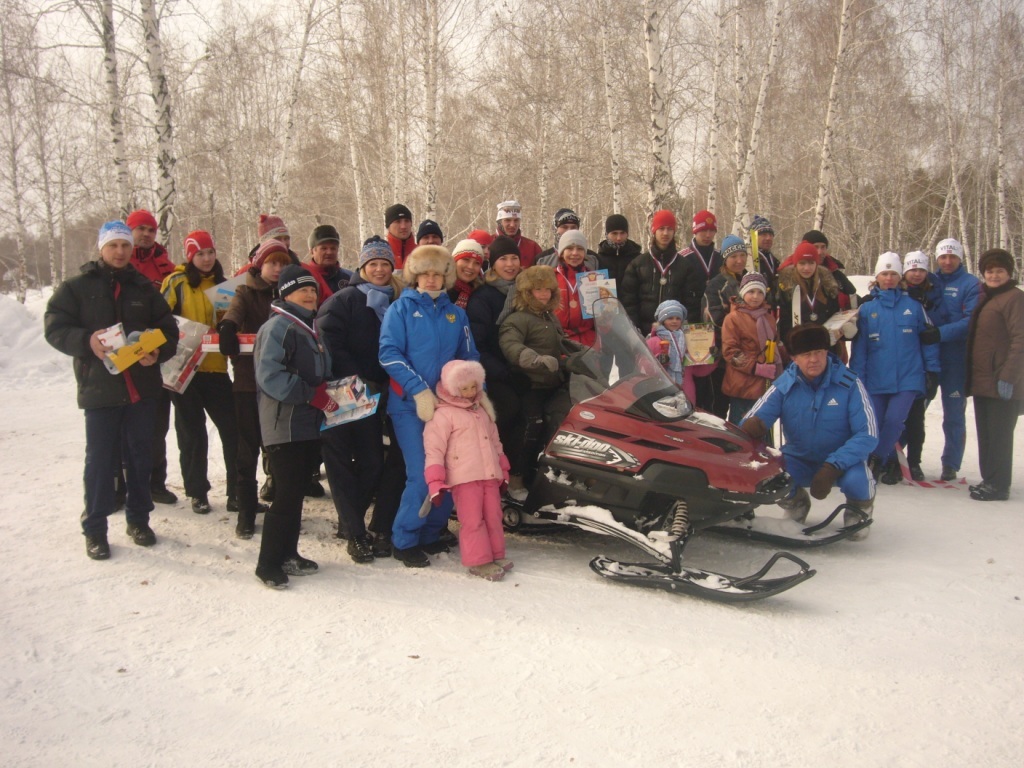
(13, 79)
(165, 158)
(716, 107)
(825, 169)
(661, 189)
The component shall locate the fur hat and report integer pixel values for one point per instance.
(429, 258)
(996, 257)
(267, 248)
(375, 248)
(915, 260)
(949, 247)
(114, 230)
(293, 277)
(482, 236)
(571, 237)
(814, 237)
(395, 212)
(141, 218)
(670, 308)
(703, 220)
(324, 233)
(661, 219)
(468, 249)
(270, 227)
(805, 251)
(761, 224)
(503, 246)
(429, 227)
(753, 281)
(616, 223)
(807, 338)
(197, 241)
(510, 209)
(732, 244)
(532, 278)
(888, 262)
(456, 374)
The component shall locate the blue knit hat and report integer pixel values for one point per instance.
(114, 230)
(375, 248)
(670, 308)
(732, 244)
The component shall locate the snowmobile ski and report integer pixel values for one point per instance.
(789, 533)
(707, 584)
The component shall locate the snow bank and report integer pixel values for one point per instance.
(25, 357)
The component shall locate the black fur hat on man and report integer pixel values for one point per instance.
(808, 337)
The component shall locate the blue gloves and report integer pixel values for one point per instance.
(1005, 389)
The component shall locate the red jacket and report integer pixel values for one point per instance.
(571, 318)
(528, 249)
(401, 248)
(316, 271)
(153, 264)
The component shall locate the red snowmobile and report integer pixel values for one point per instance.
(634, 460)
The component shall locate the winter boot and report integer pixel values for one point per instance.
(162, 495)
(141, 534)
(246, 526)
(516, 489)
(96, 547)
(852, 518)
(986, 492)
(916, 473)
(797, 506)
(448, 538)
(413, 557)
(489, 571)
(948, 474)
(436, 547)
(273, 577)
(232, 505)
(315, 490)
(892, 474)
(201, 505)
(360, 549)
(267, 490)
(382, 545)
(504, 562)
(875, 466)
(299, 566)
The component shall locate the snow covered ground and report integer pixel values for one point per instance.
(904, 650)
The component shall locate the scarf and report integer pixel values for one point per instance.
(763, 319)
(464, 290)
(378, 297)
(676, 352)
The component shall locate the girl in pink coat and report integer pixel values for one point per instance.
(464, 455)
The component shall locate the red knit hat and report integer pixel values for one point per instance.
(267, 248)
(805, 251)
(704, 220)
(141, 218)
(661, 219)
(270, 227)
(197, 241)
(482, 236)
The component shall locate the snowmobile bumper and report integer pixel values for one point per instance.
(789, 533)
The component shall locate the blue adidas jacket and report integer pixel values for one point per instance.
(959, 297)
(887, 354)
(830, 419)
(418, 336)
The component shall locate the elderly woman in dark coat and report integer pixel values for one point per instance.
(995, 372)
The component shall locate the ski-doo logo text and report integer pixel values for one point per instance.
(570, 445)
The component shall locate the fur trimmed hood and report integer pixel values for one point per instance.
(532, 278)
(429, 258)
(454, 376)
(826, 281)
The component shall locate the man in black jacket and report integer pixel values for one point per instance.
(616, 250)
(123, 405)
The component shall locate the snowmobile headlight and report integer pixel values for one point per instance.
(674, 406)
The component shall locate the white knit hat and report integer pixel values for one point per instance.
(888, 262)
(916, 260)
(510, 209)
(468, 249)
(949, 246)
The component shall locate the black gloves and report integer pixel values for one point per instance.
(931, 384)
(930, 335)
(228, 338)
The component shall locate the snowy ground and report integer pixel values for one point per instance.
(904, 650)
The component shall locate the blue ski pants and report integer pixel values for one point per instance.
(411, 530)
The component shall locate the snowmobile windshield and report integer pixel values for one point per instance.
(621, 361)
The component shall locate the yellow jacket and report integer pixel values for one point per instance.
(192, 304)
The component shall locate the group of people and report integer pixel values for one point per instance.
(468, 348)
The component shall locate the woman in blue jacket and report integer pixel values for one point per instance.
(890, 359)
(292, 368)
(422, 330)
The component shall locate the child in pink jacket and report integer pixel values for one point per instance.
(464, 455)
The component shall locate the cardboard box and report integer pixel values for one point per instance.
(128, 355)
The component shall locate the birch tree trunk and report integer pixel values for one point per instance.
(1003, 215)
(613, 130)
(746, 172)
(825, 169)
(716, 107)
(13, 140)
(280, 190)
(660, 186)
(953, 145)
(165, 158)
(347, 76)
(430, 107)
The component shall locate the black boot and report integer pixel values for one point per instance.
(141, 534)
(874, 466)
(893, 474)
(382, 545)
(96, 547)
(360, 549)
(246, 526)
(413, 557)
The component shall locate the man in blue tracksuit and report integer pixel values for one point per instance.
(828, 426)
(422, 330)
(951, 317)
